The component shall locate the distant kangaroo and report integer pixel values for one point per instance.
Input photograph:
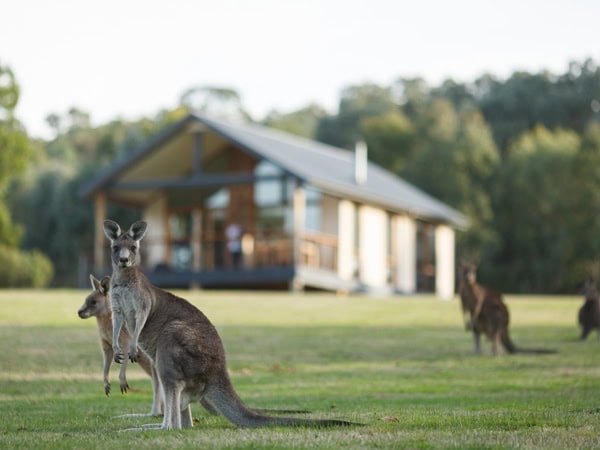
(589, 313)
(184, 345)
(485, 312)
(97, 304)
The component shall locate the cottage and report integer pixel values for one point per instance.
(241, 205)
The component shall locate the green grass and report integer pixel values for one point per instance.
(402, 366)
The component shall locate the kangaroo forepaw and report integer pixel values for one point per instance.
(107, 389)
(124, 387)
(133, 354)
(119, 357)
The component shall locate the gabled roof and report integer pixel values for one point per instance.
(328, 168)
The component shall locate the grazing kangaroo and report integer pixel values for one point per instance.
(486, 313)
(97, 305)
(184, 345)
(589, 313)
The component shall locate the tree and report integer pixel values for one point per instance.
(356, 103)
(455, 159)
(459, 94)
(534, 197)
(220, 102)
(54, 121)
(525, 100)
(476, 162)
(584, 218)
(19, 268)
(303, 122)
(391, 140)
(14, 151)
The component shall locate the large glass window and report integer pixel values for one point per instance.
(180, 228)
(270, 194)
(313, 209)
(213, 249)
(269, 190)
(218, 200)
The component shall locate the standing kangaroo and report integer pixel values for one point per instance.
(486, 313)
(589, 313)
(97, 304)
(184, 346)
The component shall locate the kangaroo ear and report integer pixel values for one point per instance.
(138, 230)
(95, 283)
(105, 285)
(112, 230)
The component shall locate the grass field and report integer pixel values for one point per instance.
(402, 366)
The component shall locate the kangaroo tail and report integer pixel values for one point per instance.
(511, 347)
(225, 400)
(507, 342)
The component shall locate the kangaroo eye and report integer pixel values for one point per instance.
(115, 249)
(133, 248)
(93, 302)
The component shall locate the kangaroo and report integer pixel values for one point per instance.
(486, 313)
(185, 347)
(97, 304)
(589, 313)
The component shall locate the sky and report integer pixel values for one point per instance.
(131, 58)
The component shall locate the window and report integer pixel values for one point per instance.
(269, 190)
(218, 200)
(180, 228)
(270, 193)
(313, 209)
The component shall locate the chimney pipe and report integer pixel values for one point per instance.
(360, 162)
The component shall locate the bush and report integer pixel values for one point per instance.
(24, 269)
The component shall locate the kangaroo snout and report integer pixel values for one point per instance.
(82, 313)
(124, 257)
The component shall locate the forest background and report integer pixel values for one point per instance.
(519, 156)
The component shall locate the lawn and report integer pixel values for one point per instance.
(402, 366)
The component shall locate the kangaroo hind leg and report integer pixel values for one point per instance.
(496, 343)
(172, 405)
(185, 412)
(476, 342)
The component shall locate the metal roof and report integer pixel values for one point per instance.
(328, 168)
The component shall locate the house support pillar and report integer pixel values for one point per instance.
(196, 240)
(372, 239)
(99, 216)
(405, 254)
(346, 257)
(444, 262)
(299, 214)
(156, 215)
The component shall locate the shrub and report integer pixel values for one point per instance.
(24, 269)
